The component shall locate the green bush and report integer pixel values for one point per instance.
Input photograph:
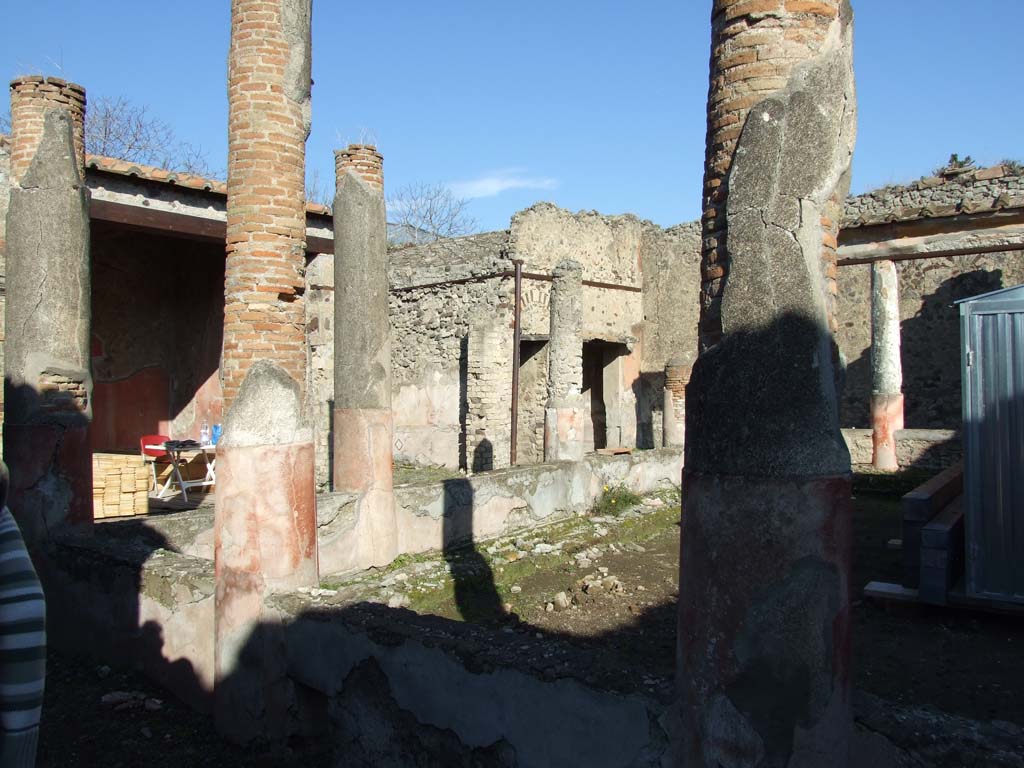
(615, 500)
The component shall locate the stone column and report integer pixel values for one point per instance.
(677, 376)
(886, 369)
(363, 420)
(564, 414)
(265, 516)
(48, 383)
(764, 616)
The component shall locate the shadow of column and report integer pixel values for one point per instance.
(476, 595)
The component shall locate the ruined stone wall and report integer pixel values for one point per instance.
(930, 331)
(981, 187)
(428, 347)
(658, 322)
(976, 209)
(671, 313)
(430, 324)
(608, 248)
(430, 328)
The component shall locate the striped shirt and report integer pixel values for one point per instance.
(22, 648)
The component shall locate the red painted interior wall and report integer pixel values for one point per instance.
(157, 309)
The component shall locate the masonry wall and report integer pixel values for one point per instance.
(980, 188)
(654, 322)
(930, 332)
(430, 328)
(975, 209)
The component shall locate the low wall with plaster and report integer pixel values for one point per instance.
(917, 448)
(141, 591)
(497, 503)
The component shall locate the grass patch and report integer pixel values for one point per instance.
(413, 474)
(615, 500)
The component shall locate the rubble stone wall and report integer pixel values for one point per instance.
(976, 209)
(979, 187)
(431, 325)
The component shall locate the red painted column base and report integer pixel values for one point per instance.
(764, 621)
(51, 477)
(886, 421)
(264, 541)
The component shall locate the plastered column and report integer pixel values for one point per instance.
(886, 368)
(564, 414)
(363, 420)
(265, 515)
(764, 613)
(48, 383)
(264, 542)
(677, 376)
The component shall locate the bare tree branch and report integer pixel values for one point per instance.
(317, 191)
(118, 128)
(423, 213)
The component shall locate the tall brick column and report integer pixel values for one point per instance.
(677, 376)
(564, 414)
(268, 123)
(363, 421)
(265, 517)
(886, 368)
(47, 383)
(764, 622)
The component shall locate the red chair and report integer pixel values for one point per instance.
(153, 455)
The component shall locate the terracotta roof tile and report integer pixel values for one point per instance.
(180, 179)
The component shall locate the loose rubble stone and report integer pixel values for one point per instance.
(398, 601)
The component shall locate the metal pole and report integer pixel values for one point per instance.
(516, 336)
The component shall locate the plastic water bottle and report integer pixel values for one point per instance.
(204, 433)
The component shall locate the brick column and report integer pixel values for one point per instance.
(564, 414)
(268, 122)
(489, 406)
(48, 383)
(677, 376)
(886, 368)
(31, 98)
(764, 622)
(265, 517)
(363, 421)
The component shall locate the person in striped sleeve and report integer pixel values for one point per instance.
(22, 643)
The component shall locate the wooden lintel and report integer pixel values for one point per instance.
(178, 224)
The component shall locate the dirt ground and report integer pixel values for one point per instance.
(608, 585)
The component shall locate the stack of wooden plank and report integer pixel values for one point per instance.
(120, 485)
(933, 536)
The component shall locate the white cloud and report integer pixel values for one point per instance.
(496, 182)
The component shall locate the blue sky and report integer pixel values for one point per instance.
(591, 105)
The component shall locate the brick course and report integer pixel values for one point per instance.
(31, 98)
(264, 316)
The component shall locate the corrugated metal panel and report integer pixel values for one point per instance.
(993, 379)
